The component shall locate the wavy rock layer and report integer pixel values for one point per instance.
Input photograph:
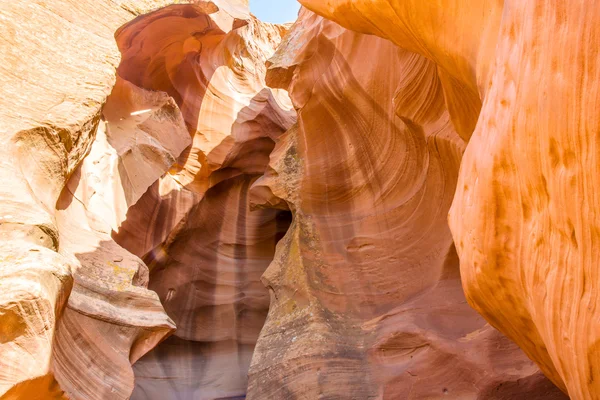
(366, 298)
(58, 67)
(193, 227)
(74, 310)
(524, 216)
(111, 319)
(208, 276)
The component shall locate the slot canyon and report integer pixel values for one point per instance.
(385, 199)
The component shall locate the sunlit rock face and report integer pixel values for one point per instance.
(151, 161)
(366, 298)
(524, 217)
(111, 319)
(58, 67)
(194, 228)
(81, 146)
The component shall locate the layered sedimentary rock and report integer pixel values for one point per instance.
(111, 319)
(58, 67)
(180, 172)
(75, 312)
(522, 81)
(208, 277)
(193, 227)
(366, 299)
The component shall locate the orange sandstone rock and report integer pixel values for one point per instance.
(366, 300)
(521, 80)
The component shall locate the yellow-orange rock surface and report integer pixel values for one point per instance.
(522, 81)
(173, 226)
(366, 296)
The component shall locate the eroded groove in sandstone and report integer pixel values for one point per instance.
(206, 250)
(523, 216)
(58, 67)
(208, 276)
(366, 292)
(111, 319)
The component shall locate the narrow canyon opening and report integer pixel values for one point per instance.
(207, 275)
(199, 205)
(205, 244)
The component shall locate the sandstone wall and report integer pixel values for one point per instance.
(521, 81)
(366, 297)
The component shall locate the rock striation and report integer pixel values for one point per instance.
(111, 319)
(82, 145)
(366, 297)
(197, 204)
(58, 67)
(206, 250)
(521, 81)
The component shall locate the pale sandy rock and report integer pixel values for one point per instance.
(34, 286)
(141, 135)
(57, 66)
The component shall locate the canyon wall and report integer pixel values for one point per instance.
(206, 250)
(366, 299)
(87, 150)
(521, 80)
(174, 224)
(59, 302)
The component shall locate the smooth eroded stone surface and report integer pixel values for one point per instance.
(193, 227)
(536, 248)
(208, 277)
(366, 297)
(111, 319)
(57, 66)
(524, 216)
(34, 286)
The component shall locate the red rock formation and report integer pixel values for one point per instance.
(366, 296)
(522, 79)
(104, 194)
(74, 309)
(206, 250)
